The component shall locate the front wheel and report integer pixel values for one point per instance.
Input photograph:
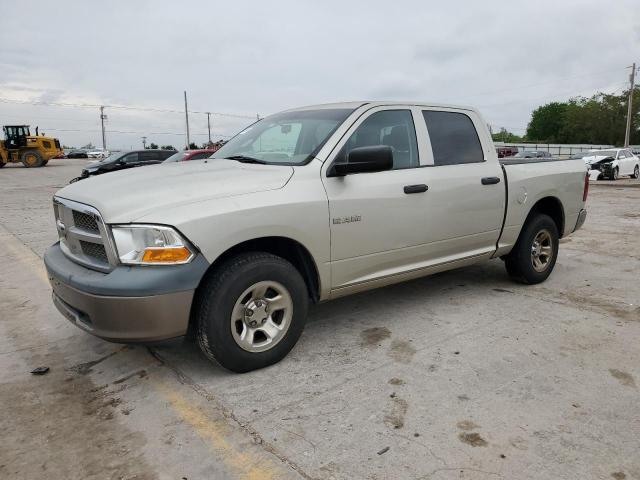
(636, 172)
(250, 311)
(615, 174)
(534, 255)
(32, 158)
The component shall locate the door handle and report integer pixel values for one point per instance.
(490, 180)
(415, 188)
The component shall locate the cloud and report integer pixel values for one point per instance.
(506, 57)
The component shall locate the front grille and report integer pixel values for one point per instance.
(83, 235)
(85, 222)
(94, 250)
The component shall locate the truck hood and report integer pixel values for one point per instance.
(127, 195)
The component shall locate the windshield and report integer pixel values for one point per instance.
(113, 157)
(288, 138)
(176, 157)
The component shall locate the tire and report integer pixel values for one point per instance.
(31, 159)
(2, 164)
(225, 298)
(44, 164)
(521, 262)
(616, 174)
(636, 172)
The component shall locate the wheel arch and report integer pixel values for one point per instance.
(291, 250)
(551, 206)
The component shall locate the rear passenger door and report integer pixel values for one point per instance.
(466, 196)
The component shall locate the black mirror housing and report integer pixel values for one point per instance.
(376, 158)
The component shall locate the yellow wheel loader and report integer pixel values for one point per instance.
(31, 150)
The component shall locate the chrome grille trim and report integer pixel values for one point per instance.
(74, 237)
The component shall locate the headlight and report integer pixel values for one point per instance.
(150, 245)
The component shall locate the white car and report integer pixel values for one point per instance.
(98, 154)
(612, 163)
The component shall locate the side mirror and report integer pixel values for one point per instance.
(377, 158)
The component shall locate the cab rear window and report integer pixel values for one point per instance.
(453, 136)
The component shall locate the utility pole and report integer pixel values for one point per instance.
(144, 142)
(209, 125)
(632, 79)
(186, 116)
(103, 117)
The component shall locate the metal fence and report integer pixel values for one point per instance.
(557, 149)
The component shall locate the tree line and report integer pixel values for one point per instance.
(600, 119)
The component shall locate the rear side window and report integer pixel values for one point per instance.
(149, 156)
(201, 155)
(454, 139)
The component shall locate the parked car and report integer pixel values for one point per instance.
(504, 152)
(612, 163)
(98, 153)
(186, 155)
(533, 154)
(303, 206)
(77, 154)
(124, 160)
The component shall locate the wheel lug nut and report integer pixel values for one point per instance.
(249, 313)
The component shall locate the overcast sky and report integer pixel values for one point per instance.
(245, 58)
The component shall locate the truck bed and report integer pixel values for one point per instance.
(519, 161)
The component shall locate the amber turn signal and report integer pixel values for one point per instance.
(166, 255)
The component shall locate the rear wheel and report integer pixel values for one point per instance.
(534, 255)
(44, 164)
(31, 159)
(251, 311)
(636, 172)
(2, 164)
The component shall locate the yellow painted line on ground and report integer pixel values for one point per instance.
(24, 255)
(247, 466)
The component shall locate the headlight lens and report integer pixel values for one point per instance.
(150, 245)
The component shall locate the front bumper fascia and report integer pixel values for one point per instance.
(128, 304)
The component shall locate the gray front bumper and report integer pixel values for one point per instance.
(128, 304)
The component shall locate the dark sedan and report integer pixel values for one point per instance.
(123, 160)
(77, 154)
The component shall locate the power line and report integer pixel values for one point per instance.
(133, 132)
(121, 107)
(592, 74)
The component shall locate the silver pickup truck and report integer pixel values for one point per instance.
(303, 206)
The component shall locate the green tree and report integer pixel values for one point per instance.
(167, 147)
(598, 120)
(153, 146)
(193, 146)
(506, 136)
(547, 122)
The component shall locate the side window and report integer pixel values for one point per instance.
(130, 158)
(622, 154)
(201, 155)
(453, 137)
(393, 128)
(148, 156)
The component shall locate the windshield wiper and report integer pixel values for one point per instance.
(246, 159)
